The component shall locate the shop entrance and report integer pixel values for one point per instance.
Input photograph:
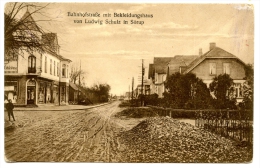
(31, 92)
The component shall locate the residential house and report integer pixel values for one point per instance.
(211, 64)
(163, 67)
(38, 78)
(146, 89)
(218, 61)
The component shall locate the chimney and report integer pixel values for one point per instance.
(200, 52)
(212, 45)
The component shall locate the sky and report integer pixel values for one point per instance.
(112, 53)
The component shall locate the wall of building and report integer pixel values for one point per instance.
(23, 63)
(203, 69)
(46, 73)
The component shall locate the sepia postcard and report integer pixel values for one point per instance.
(129, 82)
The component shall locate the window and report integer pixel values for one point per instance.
(64, 71)
(31, 64)
(67, 71)
(54, 69)
(45, 65)
(238, 90)
(226, 68)
(58, 70)
(212, 68)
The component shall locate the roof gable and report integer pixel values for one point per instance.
(216, 52)
(219, 52)
(28, 22)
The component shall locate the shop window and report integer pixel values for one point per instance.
(41, 93)
(11, 91)
(31, 64)
(64, 71)
(212, 68)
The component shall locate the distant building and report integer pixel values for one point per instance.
(146, 89)
(162, 67)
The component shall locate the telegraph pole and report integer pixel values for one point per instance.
(132, 89)
(142, 82)
(79, 79)
(129, 94)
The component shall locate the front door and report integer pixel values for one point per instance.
(30, 94)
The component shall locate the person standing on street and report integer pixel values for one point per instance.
(9, 107)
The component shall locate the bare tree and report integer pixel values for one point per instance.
(23, 34)
(77, 73)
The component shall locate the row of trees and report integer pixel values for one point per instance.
(188, 91)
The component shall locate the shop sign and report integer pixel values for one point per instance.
(11, 67)
(9, 88)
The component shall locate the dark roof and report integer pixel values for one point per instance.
(29, 23)
(162, 60)
(180, 61)
(216, 52)
(74, 86)
(159, 66)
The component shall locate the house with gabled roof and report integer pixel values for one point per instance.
(164, 66)
(218, 61)
(206, 66)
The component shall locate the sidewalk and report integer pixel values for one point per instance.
(47, 107)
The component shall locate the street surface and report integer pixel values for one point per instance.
(66, 136)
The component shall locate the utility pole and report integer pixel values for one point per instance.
(129, 94)
(79, 79)
(142, 82)
(132, 89)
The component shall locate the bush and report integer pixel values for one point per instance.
(137, 112)
(124, 104)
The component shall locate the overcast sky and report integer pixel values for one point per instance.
(112, 53)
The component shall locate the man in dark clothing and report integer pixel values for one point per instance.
(9, 107)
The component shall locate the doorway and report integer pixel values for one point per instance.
(30, 94)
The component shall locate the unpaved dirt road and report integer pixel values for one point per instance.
(66, 136)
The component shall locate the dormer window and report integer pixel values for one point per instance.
(31, 64)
